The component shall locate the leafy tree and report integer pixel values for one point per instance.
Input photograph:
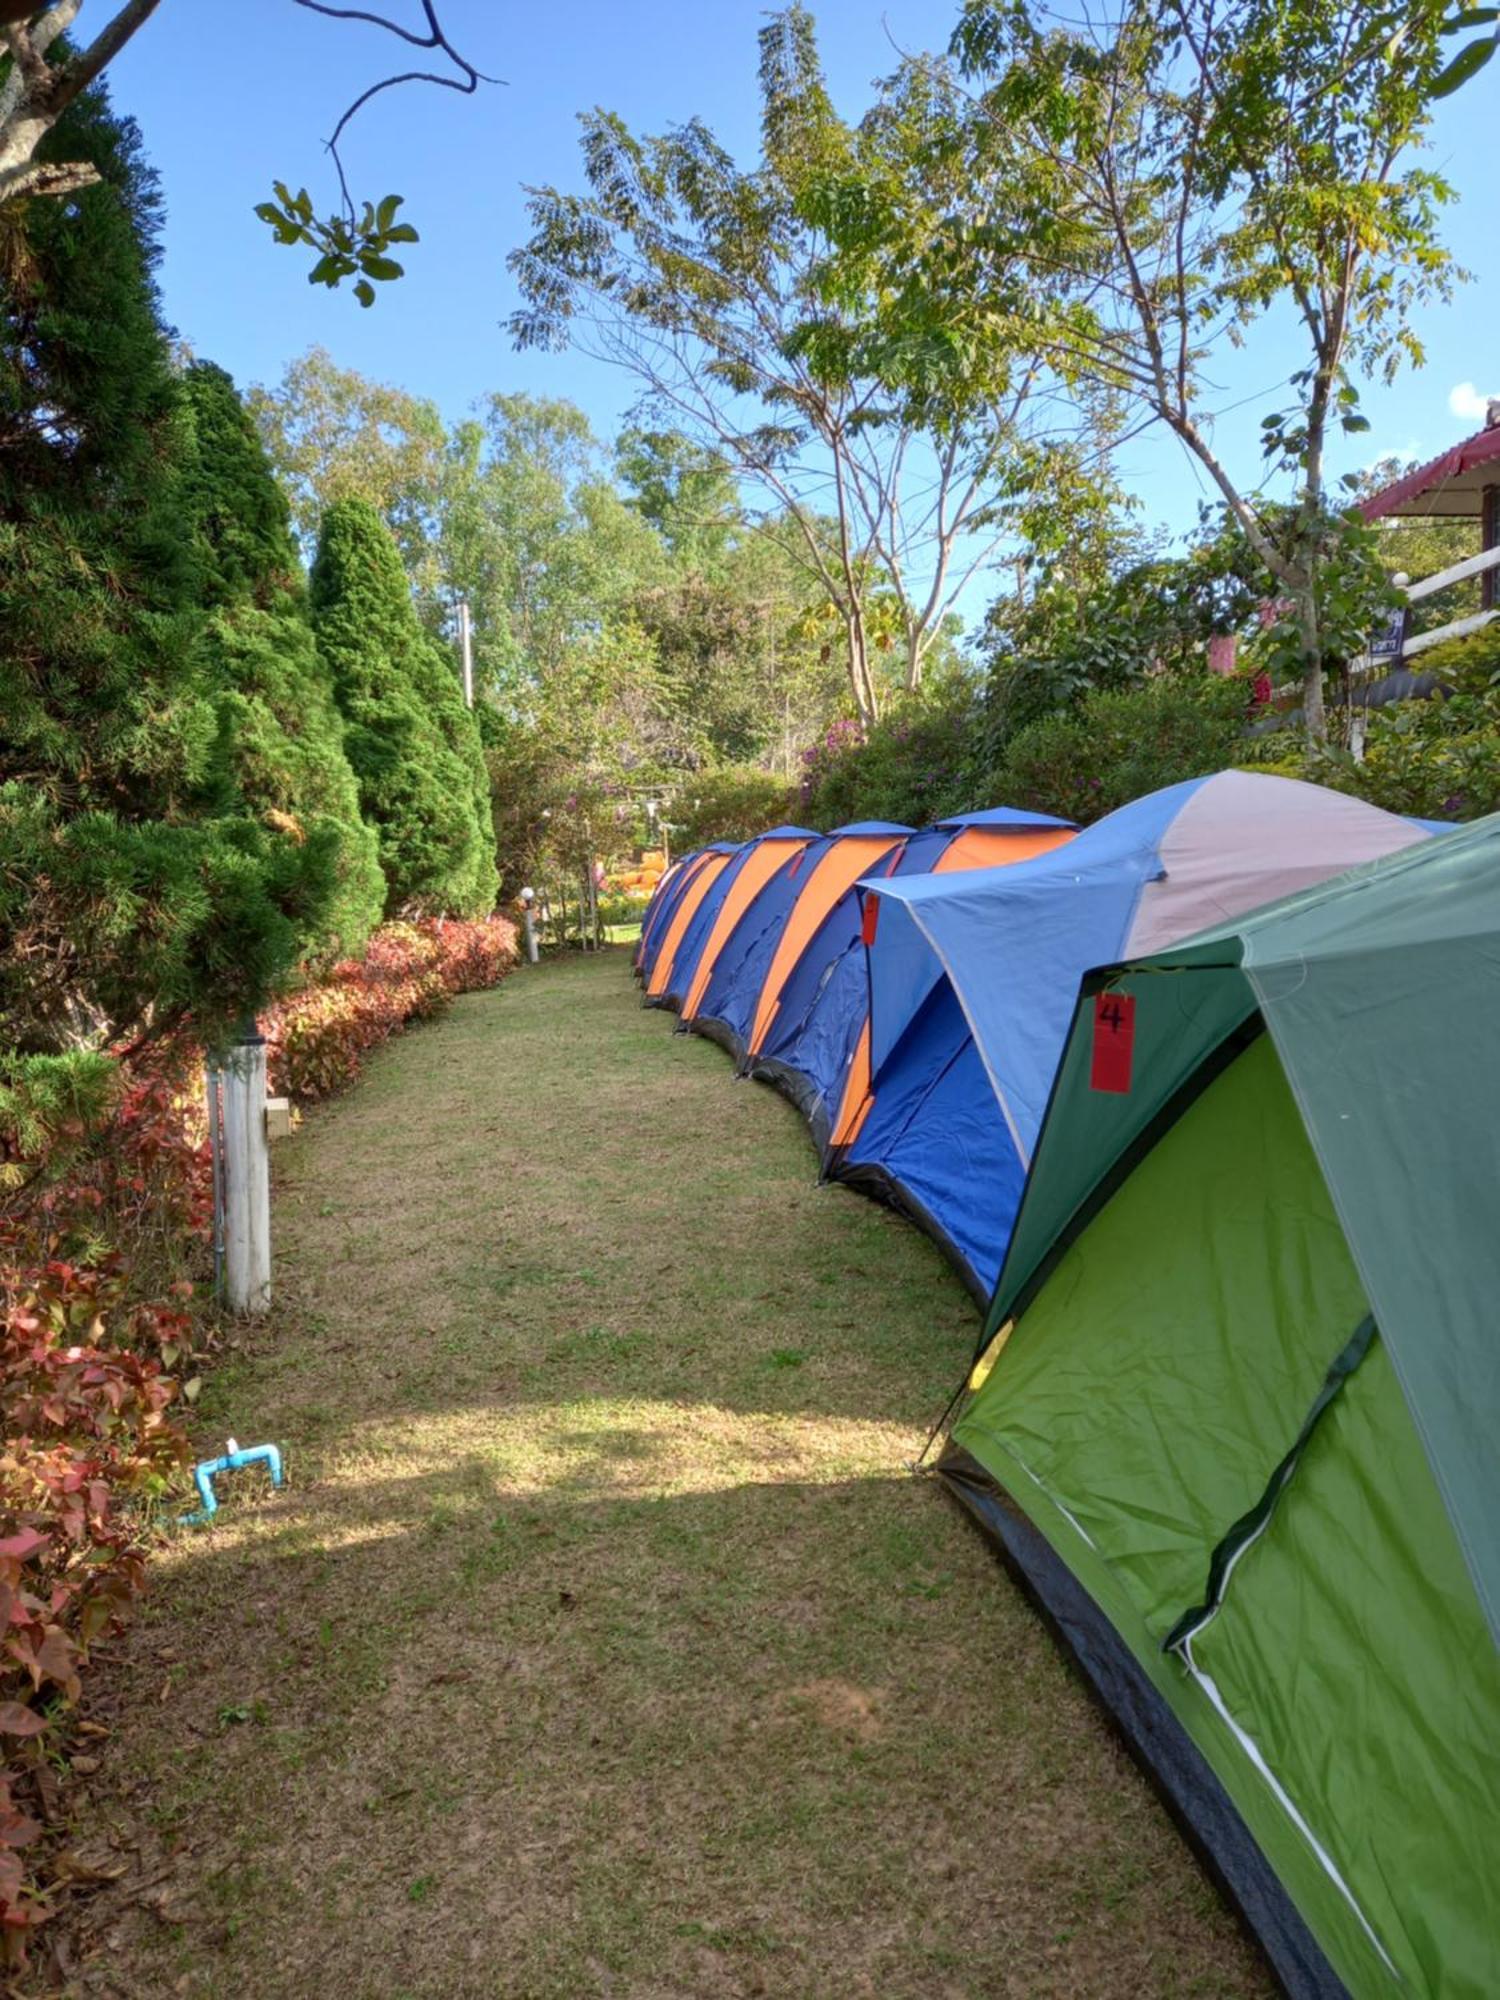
(1111, 620)
(686, 491)
(1171, 176)
(287, 734)
(737, 620)
(734, 802)
(747, 663)
(414, 747)
(534, 534)
(520, 510)
(134, 885)
(333, 434)
(713, 286)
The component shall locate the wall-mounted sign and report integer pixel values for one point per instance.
(1386, 644)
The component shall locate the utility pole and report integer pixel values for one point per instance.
(466, 649)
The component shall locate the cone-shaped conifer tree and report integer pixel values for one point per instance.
(413, 744)
(286, 731)
(135, 887)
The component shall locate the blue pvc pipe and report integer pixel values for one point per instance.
(207, 1470)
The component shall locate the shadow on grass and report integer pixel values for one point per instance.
(768, 1736)
(600, 1643)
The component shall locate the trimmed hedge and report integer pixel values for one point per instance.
(319, 1039)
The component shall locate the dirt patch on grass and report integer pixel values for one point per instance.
(599, 1643)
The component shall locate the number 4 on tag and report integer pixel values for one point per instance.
(1114, 1042)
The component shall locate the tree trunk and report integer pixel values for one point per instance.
(1314, 714)
(861, 682)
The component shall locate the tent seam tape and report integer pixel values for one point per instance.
(1284, 1799)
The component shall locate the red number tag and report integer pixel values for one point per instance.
(1114, 1042)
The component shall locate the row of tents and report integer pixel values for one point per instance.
(1203, 1103)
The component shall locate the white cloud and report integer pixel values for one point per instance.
(1465, 401)
(1406, 454)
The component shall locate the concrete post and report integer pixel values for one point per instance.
(466, 647)
(247, 1178)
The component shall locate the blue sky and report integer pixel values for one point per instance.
(226, 105)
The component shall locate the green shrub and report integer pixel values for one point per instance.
(734, 802)
(1438, 758)
(912, 766)
(1114, 747)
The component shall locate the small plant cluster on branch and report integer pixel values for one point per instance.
(348, 246)
(45, 67)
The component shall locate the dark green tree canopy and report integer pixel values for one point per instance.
(287, 735)
(240, 514)
(414, 747)
(135, 888)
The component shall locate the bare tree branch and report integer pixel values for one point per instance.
(466, 83)
(36, 93)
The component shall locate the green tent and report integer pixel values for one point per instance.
(1237, 1418)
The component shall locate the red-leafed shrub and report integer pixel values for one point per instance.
(319, 1038)
(97, 1232)
(85, 1390)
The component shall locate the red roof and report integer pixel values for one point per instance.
(1449, 479)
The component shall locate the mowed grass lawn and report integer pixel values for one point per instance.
(600, 1642)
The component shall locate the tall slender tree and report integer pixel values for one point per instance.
(289, 759)
(414, 746)
(1174, 176)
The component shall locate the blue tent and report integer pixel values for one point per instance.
(972, 978)
(663, 905)
(727, 1009)
(824, 1004)
(713, 921)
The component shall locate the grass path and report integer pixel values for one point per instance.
(599, 1644)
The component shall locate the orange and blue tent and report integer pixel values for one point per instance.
(734, 1000)
(668, 898)
(655, 903)
(810, 1030)
(675, 919)
(709, 911)
(972, 980)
